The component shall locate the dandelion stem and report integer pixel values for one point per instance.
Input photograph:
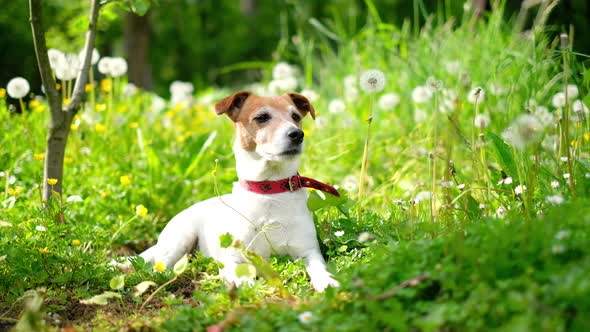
(566, 119)
(364, 162)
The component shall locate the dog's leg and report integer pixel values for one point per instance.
(316, 269)
(228, 272)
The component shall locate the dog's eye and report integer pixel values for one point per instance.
(262, 118)
(296, 117)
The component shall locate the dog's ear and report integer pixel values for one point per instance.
(231, 105)
(302, 104)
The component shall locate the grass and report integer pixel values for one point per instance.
(479, 256)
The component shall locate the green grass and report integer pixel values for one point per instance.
(459, 264)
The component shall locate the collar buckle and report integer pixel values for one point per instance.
(292, 183)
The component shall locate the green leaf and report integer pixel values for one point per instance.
(142, 287)
(318, 200)
(504, 154)
(181, 265)
(101, 299)
(140, 7)
(225, 240)
(245, 270)
(199, 155)
(117, 282)
(265, 269)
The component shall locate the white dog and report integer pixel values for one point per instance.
(267, 210)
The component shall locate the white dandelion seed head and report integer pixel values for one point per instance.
(543, 114)
(130, 90)
(282, 70)
(554, 184)
(531, 103)
(372, 80)
(40, 228)
(525, 130)
(118, 67)
(476, 95)
(481, 121)
(419, 115)
(482, 206)
(350, 81)
(364, 237)
(563, 159)
(434, 84)
(68, 68)
(550, 143)
(521, 188)
(449, 100)
(158, 104)
(500, 212)
(351, 93)
(336, 106)
(453, 67)
(93, 60)
(349, 185)
(181, 92)
(422, 196)
(18, 87)
(422, 94)
(461, 186)
(558, 100)
(305, 317)
(310, 94)
(555, 199)
(566, 176)
(579, 107)
(562, 234)
(388, 101)
(55, 57)
(572, 91)
(104, 65)
(339, 233)
(74, 199)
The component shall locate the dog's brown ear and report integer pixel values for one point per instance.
(302, 104)
(231, 105)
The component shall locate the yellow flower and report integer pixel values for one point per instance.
(74, 126)
(133, 125)
(39, 109)
(34, 103)
(15, 191)
(66, 101)
(125, 180)
(141, 210)
(586, 137)
(159, 266)
(88, 87)
(44, 251)
(105, 85)
(76, 242)
(100, 128)
(101, 107)
(122, 108)
(68, 160)
(57, 86)
(39, 156)
(2, 92)
(51, 181)
(575, 143)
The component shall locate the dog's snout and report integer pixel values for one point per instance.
(296, 136)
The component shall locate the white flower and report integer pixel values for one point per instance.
(422, 196)
(500, 212)
(282, 85)
(129, 90)
(507, 180)
(68, 68)
(572, 91)
(310, 94)
(421, 94)
(566, 176)
(563, 159)
(543, 114)
(336, 106)
(118, 67)
(339, 233)
(519, 189)
(453, 67)
(579, 107)
(351, 93)
(558, 249)
(449, 100)
(158, 103)
(364, 237)
(55, 57)
(461, 186)
(558, 100)
(93, 60)
(282, 70)
(388, 101)
(40, 228)
(305, 317)
(554, 184)
(349, 186)
(481, 121)
(181, 88)
(18, 87)
(372, 80)
(482, 206)
(350, 81)
(74, 199)
(562, 234)
(419, 115)
(555, 199)
(526, 129)
(104, 65)
(476, 95)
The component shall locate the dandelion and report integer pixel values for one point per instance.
(104, 65)
(67, 69)
(476, 95)
(419, 115)
(282, 70)
(500, 212)
(55, 57)
(2, 93)
(44, 251)
(40, 228)
(586, 137)
(350, 82)
(18, 88)
(118, 67)
(481, 121)
(76, 243)
(305, 317)
(351, 93)
(421, 94)
(525, 130)
(130, 90)
(554, 184)
(310, 94)
(364, 237)
(74, 199)
(141, 211)
(125, 180)
(506, 180)
(339, 233)
(372, 81)
(388, 101)
(51, 181)
(543, 114)
(562, 234)
(453, 67)
(558, 249)
(336, 106)
(14, 191)
(520, 189)
(555, 199)
(349, 186)
(566, 176)
(94, 58)
(100, 128)
(282, 85)
(159, 267)
(572, 91)
(158, 104)
(579, 107)
(461, 186)
(39, 156)
(558, 100)
(422, 196)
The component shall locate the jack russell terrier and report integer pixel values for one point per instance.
(267, 209)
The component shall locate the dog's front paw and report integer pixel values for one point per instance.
(231, 278)
(320, 283)
(124, 267)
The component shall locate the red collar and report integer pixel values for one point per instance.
(291, 183)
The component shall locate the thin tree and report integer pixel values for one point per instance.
(61, 116)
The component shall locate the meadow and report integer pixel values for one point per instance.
(471, 213)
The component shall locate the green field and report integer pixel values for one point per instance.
(475, 213)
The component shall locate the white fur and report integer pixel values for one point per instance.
(265, 224)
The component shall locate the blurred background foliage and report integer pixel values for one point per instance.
(226, 42)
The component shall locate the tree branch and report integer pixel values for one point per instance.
(79, 88)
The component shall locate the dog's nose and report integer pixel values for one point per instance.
(296, 136)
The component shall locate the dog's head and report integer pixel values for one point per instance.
(269, 126)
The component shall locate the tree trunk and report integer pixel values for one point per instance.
(57, 138)
(248, 7)
(137, 45)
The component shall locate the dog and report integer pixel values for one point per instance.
(267, 209)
